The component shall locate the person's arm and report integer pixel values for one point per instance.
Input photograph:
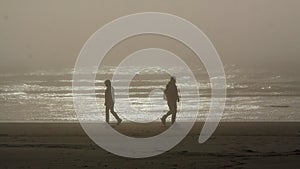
(113, 94)
(177, 91)
(105, 97)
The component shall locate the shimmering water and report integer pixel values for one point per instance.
(47, 96)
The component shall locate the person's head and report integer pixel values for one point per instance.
(107, 83)
(173, 79)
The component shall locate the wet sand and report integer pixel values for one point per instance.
(233, 145)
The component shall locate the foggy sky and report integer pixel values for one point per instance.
(44, 34)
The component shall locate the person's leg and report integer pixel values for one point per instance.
(174, 112)
(107, 114)
(115, 115)
(164, 117)
(167, 114)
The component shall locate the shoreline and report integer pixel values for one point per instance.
(153, 128)
(233, 145)
(157, 121)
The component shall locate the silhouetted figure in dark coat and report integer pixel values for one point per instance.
(172, 97)
(110, 101)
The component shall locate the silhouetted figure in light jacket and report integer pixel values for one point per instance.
(110, 101)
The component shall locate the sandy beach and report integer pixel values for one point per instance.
(233, 145)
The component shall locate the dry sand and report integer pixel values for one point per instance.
(233, 145)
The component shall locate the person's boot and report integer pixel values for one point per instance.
(163, 120)
(119, 121)
(173, 119)
(107, 118)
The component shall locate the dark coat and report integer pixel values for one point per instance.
(109, 97)
(171, 92)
